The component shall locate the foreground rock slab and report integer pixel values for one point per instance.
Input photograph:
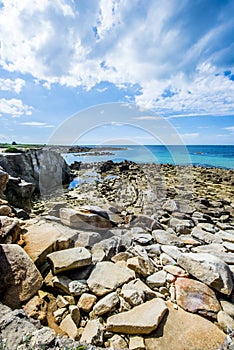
(43, 238)
(20, 279)
(208, 269)
(106, 277)
(142, 319)
(181, 330)
(69, 259)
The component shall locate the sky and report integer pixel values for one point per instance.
(117, 71)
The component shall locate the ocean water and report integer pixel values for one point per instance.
(207, 156)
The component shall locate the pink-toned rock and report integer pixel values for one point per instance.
(208, 269)
(196, 297)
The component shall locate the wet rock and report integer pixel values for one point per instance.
(69, 259)
(196, 297)
(106, 304)
(84, 219)
(142, 319)
(20, 279)
(179, 330)
(106, 277)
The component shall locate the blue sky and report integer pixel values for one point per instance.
(172, 60)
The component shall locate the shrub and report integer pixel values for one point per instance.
(13, 150)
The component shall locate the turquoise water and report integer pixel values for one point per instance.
(207, 156)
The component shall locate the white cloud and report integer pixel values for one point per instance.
(37, 124)
(189, 135)
(14, 107)
(230, 128)
(156, 45)
(148, 117)
(12, 85)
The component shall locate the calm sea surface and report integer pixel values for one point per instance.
(207, 156)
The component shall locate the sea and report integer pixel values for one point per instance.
(217, 156)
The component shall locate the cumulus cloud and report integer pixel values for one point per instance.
(12, 85)
(14, 107)
(178, 65)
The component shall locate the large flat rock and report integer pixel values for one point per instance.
(180, 330)
(43, 238)
(84, 219)
(107, 276)
(208, 269)
(69, 259)
(20, 279)
(142, 319)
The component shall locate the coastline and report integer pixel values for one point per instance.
(147, 224)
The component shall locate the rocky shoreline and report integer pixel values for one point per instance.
(131, 257)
